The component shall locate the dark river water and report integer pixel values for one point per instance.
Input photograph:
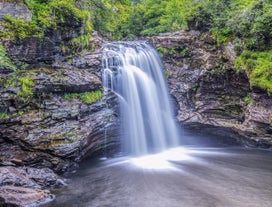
(188, 176)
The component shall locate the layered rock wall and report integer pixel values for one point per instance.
(48, 127)
(209, 90)
(53, 113)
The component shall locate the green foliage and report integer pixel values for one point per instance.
(199, 18)
(3, 115)
(253, 25)
(119, 19)
(16, 28)
(162, 51)
(5, 62)
(10, 81)
(159, 16)
(81, 41)
(48, 15)
(86, 97)
(221, 35)
(25, 84)
(259, 68)
(166, 74)
(66, 11)
(248, 98)
(110, 17)
(165, 51)
(184, 52)
(17, 113)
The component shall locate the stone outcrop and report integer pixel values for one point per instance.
(258, 118)
(18, 10)
(52, 130)
(45, 127)
(16, 196)
(24, 186)
(208, 89)
(47, 121)
(40, 126)
(29, 177)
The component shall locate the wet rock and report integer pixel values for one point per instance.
(90, 61)
(16, 196)
(64, 81)
(96, 41)
(49, 130)
(14, 176)
(209, 91)
(258, 118)
(58, 135)
(24, 186)
(32, 51)
(29, 177)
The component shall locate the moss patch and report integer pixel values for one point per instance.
(86, 97)
(3, 115)
(23, 81)
(5, 62)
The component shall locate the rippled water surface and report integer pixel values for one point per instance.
(181, 177)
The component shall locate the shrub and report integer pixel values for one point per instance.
(25, 83)
(86, 97)
(3, 115)
(5, 62)
(54, 14)
(248, 98)
(258, 66)
(16, 28)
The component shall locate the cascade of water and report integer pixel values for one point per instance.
(133, 71)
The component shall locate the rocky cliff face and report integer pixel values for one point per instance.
(209, 91)
(52, 114)
(47, 120)
(54, 131)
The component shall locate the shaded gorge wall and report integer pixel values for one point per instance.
(210, 92)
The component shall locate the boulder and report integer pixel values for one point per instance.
(24, 186)
(29, 177)
(15, 196)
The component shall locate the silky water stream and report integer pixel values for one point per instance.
(154, 169)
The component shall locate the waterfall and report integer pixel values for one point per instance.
(133, 71)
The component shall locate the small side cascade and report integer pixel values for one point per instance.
(133, 71)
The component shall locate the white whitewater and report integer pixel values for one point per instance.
(133, 71)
